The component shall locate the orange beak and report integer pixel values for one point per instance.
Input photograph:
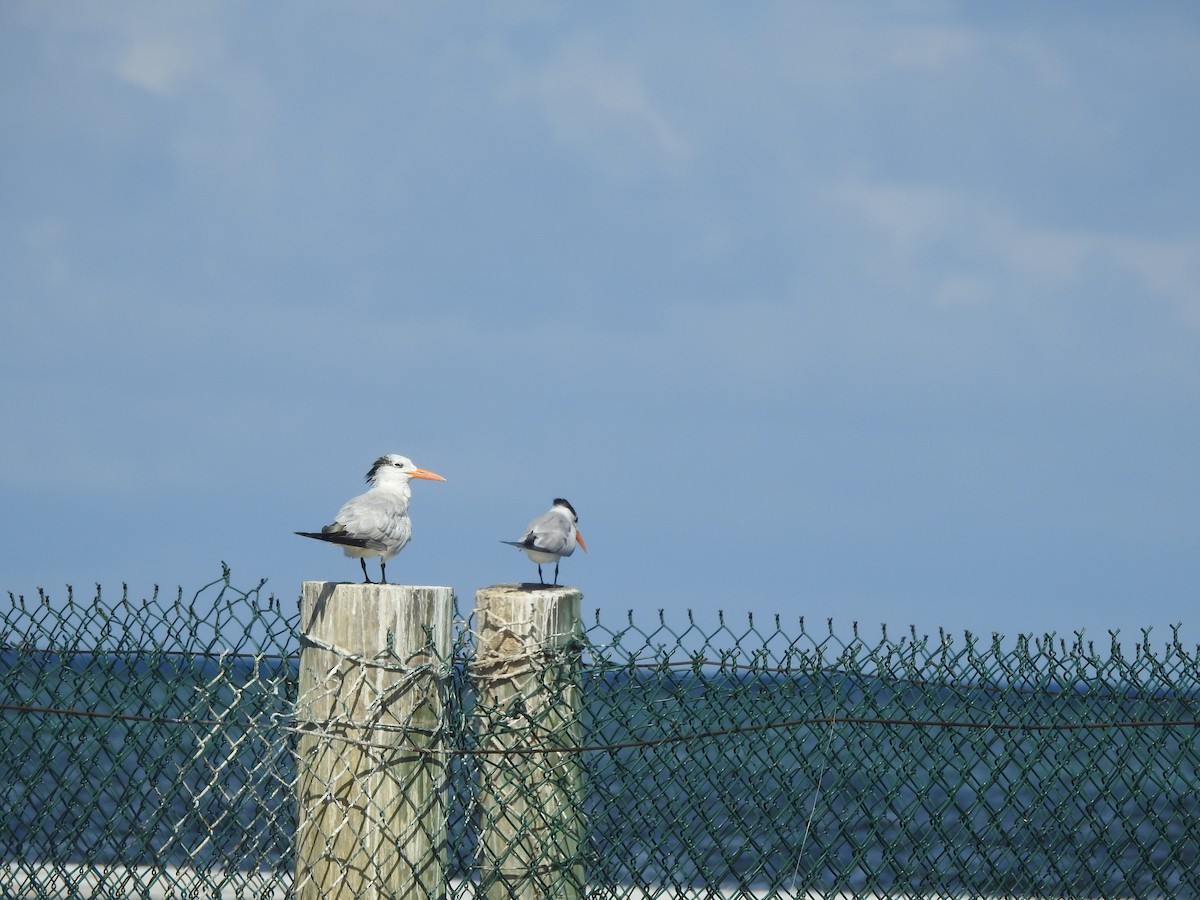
(579, 540)
(422, 473)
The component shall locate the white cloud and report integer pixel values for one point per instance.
(155, 47)
(962, 290)
(1040, 254)
(927, 47)
(599, 103)
(1170, 268)
(159, 63)
(837, 45)
(908, 216)
(923, 227)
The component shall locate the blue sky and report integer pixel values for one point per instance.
(878, 312)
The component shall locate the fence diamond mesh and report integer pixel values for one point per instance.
(151, 751)
(147, 745)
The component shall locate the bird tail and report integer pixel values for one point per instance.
(345, 540)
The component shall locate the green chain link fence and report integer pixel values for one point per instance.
(150, 751)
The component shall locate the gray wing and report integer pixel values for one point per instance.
(550, 533)
(380, 519)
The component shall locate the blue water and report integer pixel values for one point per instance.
(853, 807)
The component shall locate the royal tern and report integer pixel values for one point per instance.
(376, 523)
(551, 536)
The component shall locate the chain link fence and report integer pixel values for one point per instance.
(147, 745)
(151, 751)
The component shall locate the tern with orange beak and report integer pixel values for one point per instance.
(376, 523)
(551, 536)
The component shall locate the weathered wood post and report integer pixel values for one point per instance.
(527, 677)
(371, 775)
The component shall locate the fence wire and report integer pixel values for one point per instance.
(152, 746)
(147, 745)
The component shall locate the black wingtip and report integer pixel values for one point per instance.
(527, 544)
(345, 540)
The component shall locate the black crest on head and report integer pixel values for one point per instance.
(559, 501)
(376, 466)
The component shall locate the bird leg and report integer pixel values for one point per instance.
(556, 573)
(382, 571)
(540, 578)
(366, 577)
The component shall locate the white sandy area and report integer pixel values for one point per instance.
(24, 881)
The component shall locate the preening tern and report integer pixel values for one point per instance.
(551, 536)
(376, 523)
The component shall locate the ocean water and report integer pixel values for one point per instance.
(678, 791)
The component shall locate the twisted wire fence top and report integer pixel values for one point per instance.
(218, 619)
(753, 754)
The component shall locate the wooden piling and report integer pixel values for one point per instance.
(527, 678)
(371, 763)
